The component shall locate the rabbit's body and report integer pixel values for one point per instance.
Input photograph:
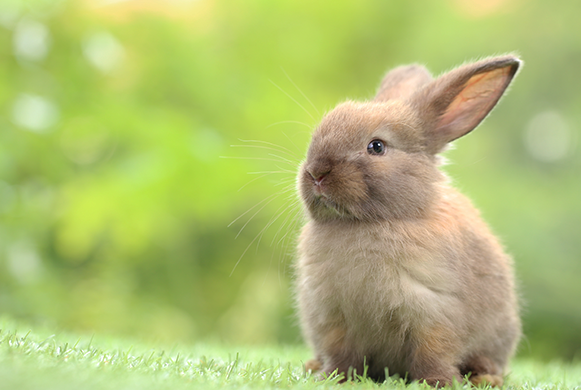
(396, 269)
(364, 293)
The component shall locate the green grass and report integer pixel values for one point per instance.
(35, 359)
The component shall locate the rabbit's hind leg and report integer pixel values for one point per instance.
(313, 365)
(482, 370)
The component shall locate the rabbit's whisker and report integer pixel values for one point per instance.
(296, 220)
(267, 143)
(290, 206)
(289, 122)
(293, 99)
(300, 91)
(295, 145)
(265, 148)
(253, 207)
(286, 181)
(258, 236)
(258, 211)
(259, 158)
(272, 220)
(271, 172)
(253, 180)
(294, 163)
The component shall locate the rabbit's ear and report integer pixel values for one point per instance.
(457, 102)
(401, 82)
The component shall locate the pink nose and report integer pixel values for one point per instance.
(318, 177)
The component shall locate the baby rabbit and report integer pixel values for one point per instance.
(396, 269)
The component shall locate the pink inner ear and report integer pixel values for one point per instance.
(476, 99)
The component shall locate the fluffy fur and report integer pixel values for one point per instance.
(396, 269)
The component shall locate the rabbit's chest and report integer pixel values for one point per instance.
(371, 277)
(357, 283)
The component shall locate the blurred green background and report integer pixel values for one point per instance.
(115, 203)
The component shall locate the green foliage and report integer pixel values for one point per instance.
(67, 361)
(115, 203)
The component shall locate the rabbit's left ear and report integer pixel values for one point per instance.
(454, 104)
(401, 82)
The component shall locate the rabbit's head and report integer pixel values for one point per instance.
(377, 160)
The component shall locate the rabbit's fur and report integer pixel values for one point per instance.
(397, 271)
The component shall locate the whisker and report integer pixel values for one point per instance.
(283, 224)
(265, 148)
(267, 143)
(284, 159)
(301, 92)
(286, 190)
(290, 122)
(252, 242)
(287, 150)
(268, 173)
(272, 172)
(258, 211)
(293, 99)
(258, 158)
(252, 208)
(273, 220)
(287, 181)
(292, 142)
(295, 221)
(293, 171)
(253, 180)
(285, 217)
(293, 227)
(242, 255)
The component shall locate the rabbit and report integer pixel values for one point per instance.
(397, 274)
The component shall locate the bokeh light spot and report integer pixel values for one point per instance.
(548, 137)
(34, 113)
(24, 263)
(103, 51)
(31, 40)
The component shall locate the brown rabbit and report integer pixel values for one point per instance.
(397, 271)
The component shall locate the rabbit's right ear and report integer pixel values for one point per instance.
(401, 82)
(455, 103)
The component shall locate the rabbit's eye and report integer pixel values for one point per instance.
(376, 147)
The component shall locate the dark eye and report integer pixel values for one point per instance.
(376, 147)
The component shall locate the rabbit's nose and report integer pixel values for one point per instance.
(318, 176)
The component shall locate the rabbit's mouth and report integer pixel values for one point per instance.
(322, 197)
(325, 206)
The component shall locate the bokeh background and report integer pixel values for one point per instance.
(116, 204)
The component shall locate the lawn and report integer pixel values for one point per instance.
(33, 358)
